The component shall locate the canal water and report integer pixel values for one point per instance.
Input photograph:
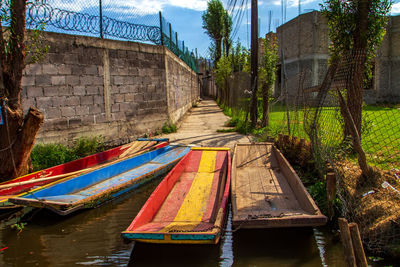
(92, 238)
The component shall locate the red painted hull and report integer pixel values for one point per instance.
(72, 166)
(189, 205)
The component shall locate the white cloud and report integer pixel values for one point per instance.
(292, 3)
(396, 8)
(138, 7)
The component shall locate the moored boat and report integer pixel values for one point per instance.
(189, 205)
(266, 191)
(92, 189)
(20, 185)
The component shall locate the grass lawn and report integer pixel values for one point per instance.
(380, 130)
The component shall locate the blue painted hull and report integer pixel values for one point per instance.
(92, 189)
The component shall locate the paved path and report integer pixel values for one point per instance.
(200, 125)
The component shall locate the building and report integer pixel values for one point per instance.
(304, 54)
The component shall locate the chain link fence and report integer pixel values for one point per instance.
(118, 20)
(313, 119)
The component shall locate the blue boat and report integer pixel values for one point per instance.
(91, 189)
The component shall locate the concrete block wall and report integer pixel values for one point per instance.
(88, 86)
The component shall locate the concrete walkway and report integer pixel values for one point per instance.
(200, 125)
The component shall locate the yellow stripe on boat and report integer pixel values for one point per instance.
(210, 148)
(195, 203)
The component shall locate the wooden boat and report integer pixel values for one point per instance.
(189, 205)
(90, 190)
(266, 191)
(20, 185)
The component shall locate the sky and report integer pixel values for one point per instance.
(185, 15)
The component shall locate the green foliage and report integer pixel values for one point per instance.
(85, 146)
(169, 127)
(213, 23)
(227, 29)
(238, 57)
(343, 20)
(267, 72)
(223, 71)
(47, 155)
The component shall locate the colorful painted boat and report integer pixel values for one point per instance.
(20, 185)
(189, 205)
(266, 191)
(90, 190)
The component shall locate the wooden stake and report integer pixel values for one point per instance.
(347, 243)
(357, 245)
(330, 192)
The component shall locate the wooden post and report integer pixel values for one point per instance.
(330, 192)
(357, 245)
(254, 62)
(347, 243)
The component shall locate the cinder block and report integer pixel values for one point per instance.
(87, 100)
(42, 80)
(82, 110)
(52, 113)
(91, 70)
(33, 69)
(50, 91)
(67, 112)
(86, 80)
(118, 80)
(118, 98)
(34, 91)
(130, 97)
(94, 109)
(92, 90)
(58, 80)
(49, 69)
(44, 102)
(58, 101)
(64, 69)
(72, 101)
(28, 80)
(115, 107)
(72, 80)
(79, 90)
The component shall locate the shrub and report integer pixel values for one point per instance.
(48, 155)
(169, 127)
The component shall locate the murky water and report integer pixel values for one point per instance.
(92, 237)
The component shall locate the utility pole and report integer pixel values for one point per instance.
(254, 62)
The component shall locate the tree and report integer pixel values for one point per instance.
(222, 72)
(357, 28)
(267, 73)
(227, 33)
(213, 21)
(19, 131)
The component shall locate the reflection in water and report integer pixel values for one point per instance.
(226, 258)
(319, 238)
(92, 237)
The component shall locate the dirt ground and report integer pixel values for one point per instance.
(199, 127)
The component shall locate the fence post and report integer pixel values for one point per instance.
(161, 30)
(101, 19)
(347, 243)
(177, 44)
(170, 37)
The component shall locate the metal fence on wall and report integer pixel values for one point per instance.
(106, 19)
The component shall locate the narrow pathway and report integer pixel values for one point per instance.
(200, 125)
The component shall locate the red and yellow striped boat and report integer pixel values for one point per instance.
(189, 205)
